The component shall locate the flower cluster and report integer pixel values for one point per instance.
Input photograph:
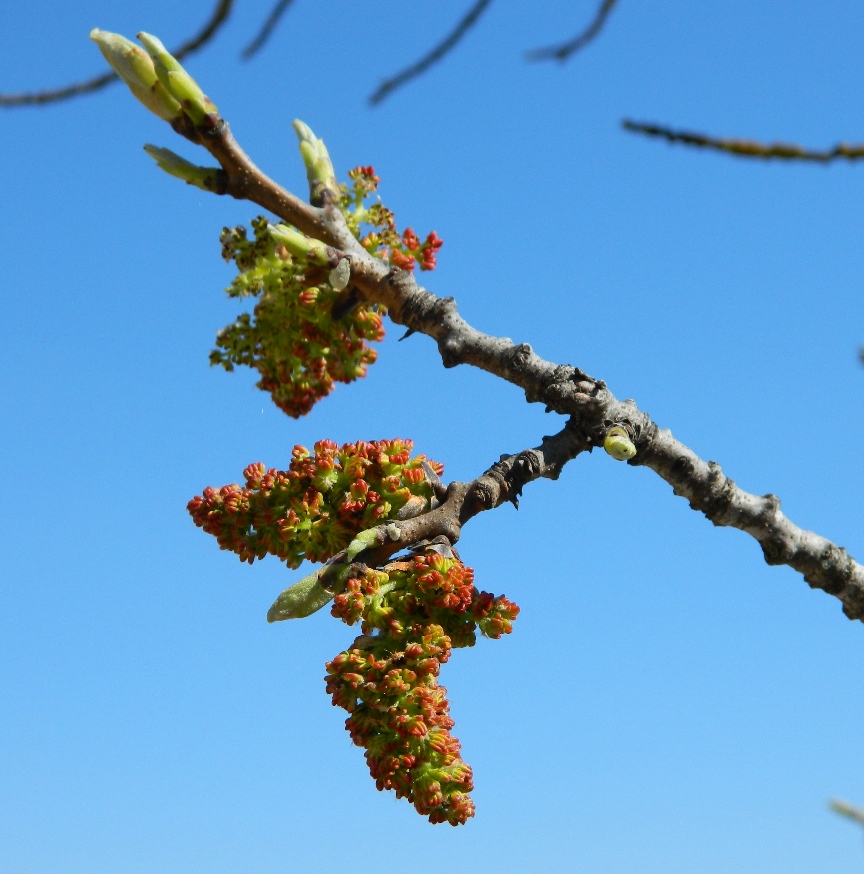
(303, 336)
(403, 250)
(316, 507)
(413, 614)
(291, 337)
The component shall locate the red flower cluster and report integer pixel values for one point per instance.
(290, 337)
(403, 251)
(413, 614)
(316, 507)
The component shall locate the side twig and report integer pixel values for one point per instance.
(747, 148)
(35, 98)
(436, 54)
(563, 51)
(501, 483)
(266, 29)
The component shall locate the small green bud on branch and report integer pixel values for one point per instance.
(319, 167)
(299, 244)
(157, 79)
(300, 600)
(179, 83)
(211, 179)
(618, 444)
(136, 68)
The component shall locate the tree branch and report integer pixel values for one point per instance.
(747, 148)
(592, 409)
(564, 50)
(431, 58)
(266, 29)
(217, 19)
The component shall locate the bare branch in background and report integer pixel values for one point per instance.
(856, 814)
(564, 50)
(748, 148)
(437, 53)
(217, 19)
(266, 29)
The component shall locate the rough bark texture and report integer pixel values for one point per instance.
(592, 409)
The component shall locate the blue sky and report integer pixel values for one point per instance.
(667, 702)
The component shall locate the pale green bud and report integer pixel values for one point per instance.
(300, 600)
(135, 67)
(205, 178)
(299, 244)
(319, 168)
(618, 444)
(177, 81)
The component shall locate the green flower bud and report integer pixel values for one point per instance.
(319, 168)
(177, 81)
(135, 67)
(205, 178)
(618, 444)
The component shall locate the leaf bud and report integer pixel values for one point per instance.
(618, 444)
(205, 178)
(178, 82)
(136, 68)
(319, 168)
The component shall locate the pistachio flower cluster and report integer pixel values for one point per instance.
(413, 614)
(403, 250)
(315, 508)
(291, 337)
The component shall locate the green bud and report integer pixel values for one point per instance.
(319, 168)
(362, 541)
(618, 444)
(300, 600)
(135, 67)
(177, 81)
(299, 244)
(205, 178)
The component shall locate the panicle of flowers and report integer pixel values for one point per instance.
(403, 250)
(413, 614)
(315, 508)
(291, 337)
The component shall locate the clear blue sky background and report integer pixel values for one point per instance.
(668, 704)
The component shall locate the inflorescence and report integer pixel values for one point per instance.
(413, 612)
(298, 337)
(316, 507)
